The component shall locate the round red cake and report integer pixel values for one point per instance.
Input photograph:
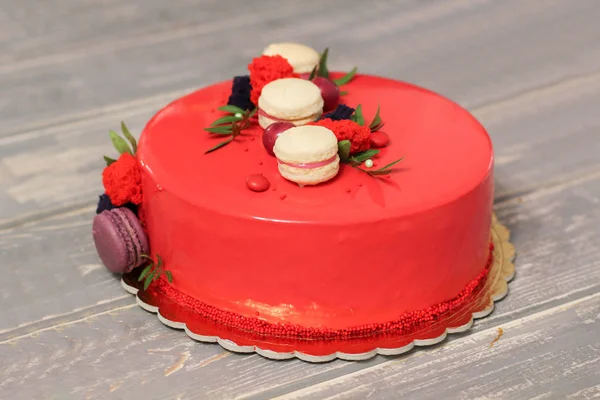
(356, 255)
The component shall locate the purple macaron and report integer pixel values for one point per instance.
(120, 239)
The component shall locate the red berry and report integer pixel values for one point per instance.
(329, 92)
(272, 132)
(379, 139)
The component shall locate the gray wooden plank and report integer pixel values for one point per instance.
(553, 230)
(549, 355)
(58, 168)
(89, 65)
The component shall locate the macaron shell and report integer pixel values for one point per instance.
(291, 99)
(120, 239)
(306, 144)
(310, 176)
(265, 121)
(303, 58)
(136, 239)
(109, 241)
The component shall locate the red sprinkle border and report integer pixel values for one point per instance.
(403, 325)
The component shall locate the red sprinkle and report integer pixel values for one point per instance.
(283, 196)
(406, 323)
(348, 190)
(260, 163)
(122, 180)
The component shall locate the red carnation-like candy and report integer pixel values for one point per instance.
(123, 181)
(265, 69)
(359, 136)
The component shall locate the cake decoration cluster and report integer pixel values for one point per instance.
(118, 228)
(290, 86)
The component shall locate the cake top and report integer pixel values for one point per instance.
(447, 153)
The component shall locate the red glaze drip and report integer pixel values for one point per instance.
(309, 165)
(403, 324)
(320, 258)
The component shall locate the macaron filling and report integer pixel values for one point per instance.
(311, 165)
(275, 119)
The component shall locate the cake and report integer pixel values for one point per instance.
(377, 248)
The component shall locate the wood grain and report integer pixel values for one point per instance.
(550, 365)
(72, 69)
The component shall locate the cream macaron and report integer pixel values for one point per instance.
(302, 58)
(307, 155)
(292, 100)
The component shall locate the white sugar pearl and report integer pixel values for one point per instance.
(369, 163)
(239, 115)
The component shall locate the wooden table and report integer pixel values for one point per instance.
(70, 70)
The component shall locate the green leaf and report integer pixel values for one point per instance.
(109, 160)
(344, 150)
(227, 119)
(313, 73)
(169, 276)
(231, 109)
(358, 116)
(252, 113)
(159, 261)
(387, 167)
(377, 127)
(225, 143)
(376, 120)
(145, 272)
(323, 71)
(119, 143)
(378, 172)
(148, 279)
(344, 93)
(346, 78)
(364, 156)
(129, 136)
(220, 130)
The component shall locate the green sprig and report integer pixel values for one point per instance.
(153, 271)
(230, 125)
(346, 78)
(377, 122)
(322, 70)
(358, 116)
(120, 144)
(357, 159)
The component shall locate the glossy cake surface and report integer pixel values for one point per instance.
(353, 251)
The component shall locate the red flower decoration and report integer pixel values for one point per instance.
(123, 181)
(348, 130)
(265, 69)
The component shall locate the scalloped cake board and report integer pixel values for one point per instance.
(501, 272)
